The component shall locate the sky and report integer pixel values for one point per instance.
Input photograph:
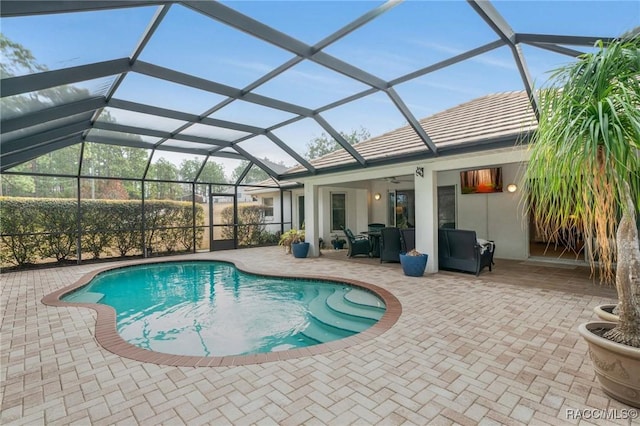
(410, 36)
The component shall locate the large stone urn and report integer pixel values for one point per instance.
(617, 366)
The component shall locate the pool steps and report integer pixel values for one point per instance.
(362, 297)
(84, 297)
(338, 302)
(333, 316)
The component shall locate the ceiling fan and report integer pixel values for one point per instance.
(392, 179)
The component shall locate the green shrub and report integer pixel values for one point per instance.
(251, 224)
(18, 229)
(35, 229)
(58, 218)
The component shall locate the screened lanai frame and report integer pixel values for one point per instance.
(80, 121)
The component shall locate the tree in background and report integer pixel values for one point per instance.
(255, 174)
(213, 173)
(324, 144)
(189, 168)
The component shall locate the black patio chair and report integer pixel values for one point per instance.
(458, 249)
(358, 244)
(408, 239)
(390, 245)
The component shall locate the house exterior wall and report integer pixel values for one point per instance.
(357, 210)
(378, 212)
(498, 216)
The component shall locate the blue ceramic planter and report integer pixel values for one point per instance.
(300, 250)
(413, 266)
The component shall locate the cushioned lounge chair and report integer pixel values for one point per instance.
(358, 244)
(390, 245)
(459, 250)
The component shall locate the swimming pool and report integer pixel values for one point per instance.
(212, 309)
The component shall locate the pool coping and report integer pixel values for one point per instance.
(108, 337)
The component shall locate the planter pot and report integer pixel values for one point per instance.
(300, 250)
(413, 266)
(338, 246)
(605, 312)
(616, 365)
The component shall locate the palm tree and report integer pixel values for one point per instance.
(584, 168)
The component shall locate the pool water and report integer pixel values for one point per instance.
(213, 309)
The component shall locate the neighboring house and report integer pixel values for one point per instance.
(398, 193)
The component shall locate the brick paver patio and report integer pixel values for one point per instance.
(502, 348)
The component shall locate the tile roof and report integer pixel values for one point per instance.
(484, 119)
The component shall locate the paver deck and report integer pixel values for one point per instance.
(501, 348)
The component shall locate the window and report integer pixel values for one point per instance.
(338, 211)
(267, 203)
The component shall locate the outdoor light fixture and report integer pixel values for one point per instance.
(512, 187)
(377, 196)
(420, 171)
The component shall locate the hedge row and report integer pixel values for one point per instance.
(251, 226)
(35, 229)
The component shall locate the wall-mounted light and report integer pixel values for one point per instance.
(420, 171)
(377, 196)
(512, 187)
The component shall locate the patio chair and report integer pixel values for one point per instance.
(358, 244)
(390, 245)
(408, 239)
(460, 250)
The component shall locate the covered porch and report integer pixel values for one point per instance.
(425, 195)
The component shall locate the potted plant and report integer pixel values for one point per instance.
(413, 263)
(287, 239)
(583, 172)
(299, 247)
(337, 242)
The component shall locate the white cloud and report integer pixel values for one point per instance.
(485, 58)
(247, 65)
